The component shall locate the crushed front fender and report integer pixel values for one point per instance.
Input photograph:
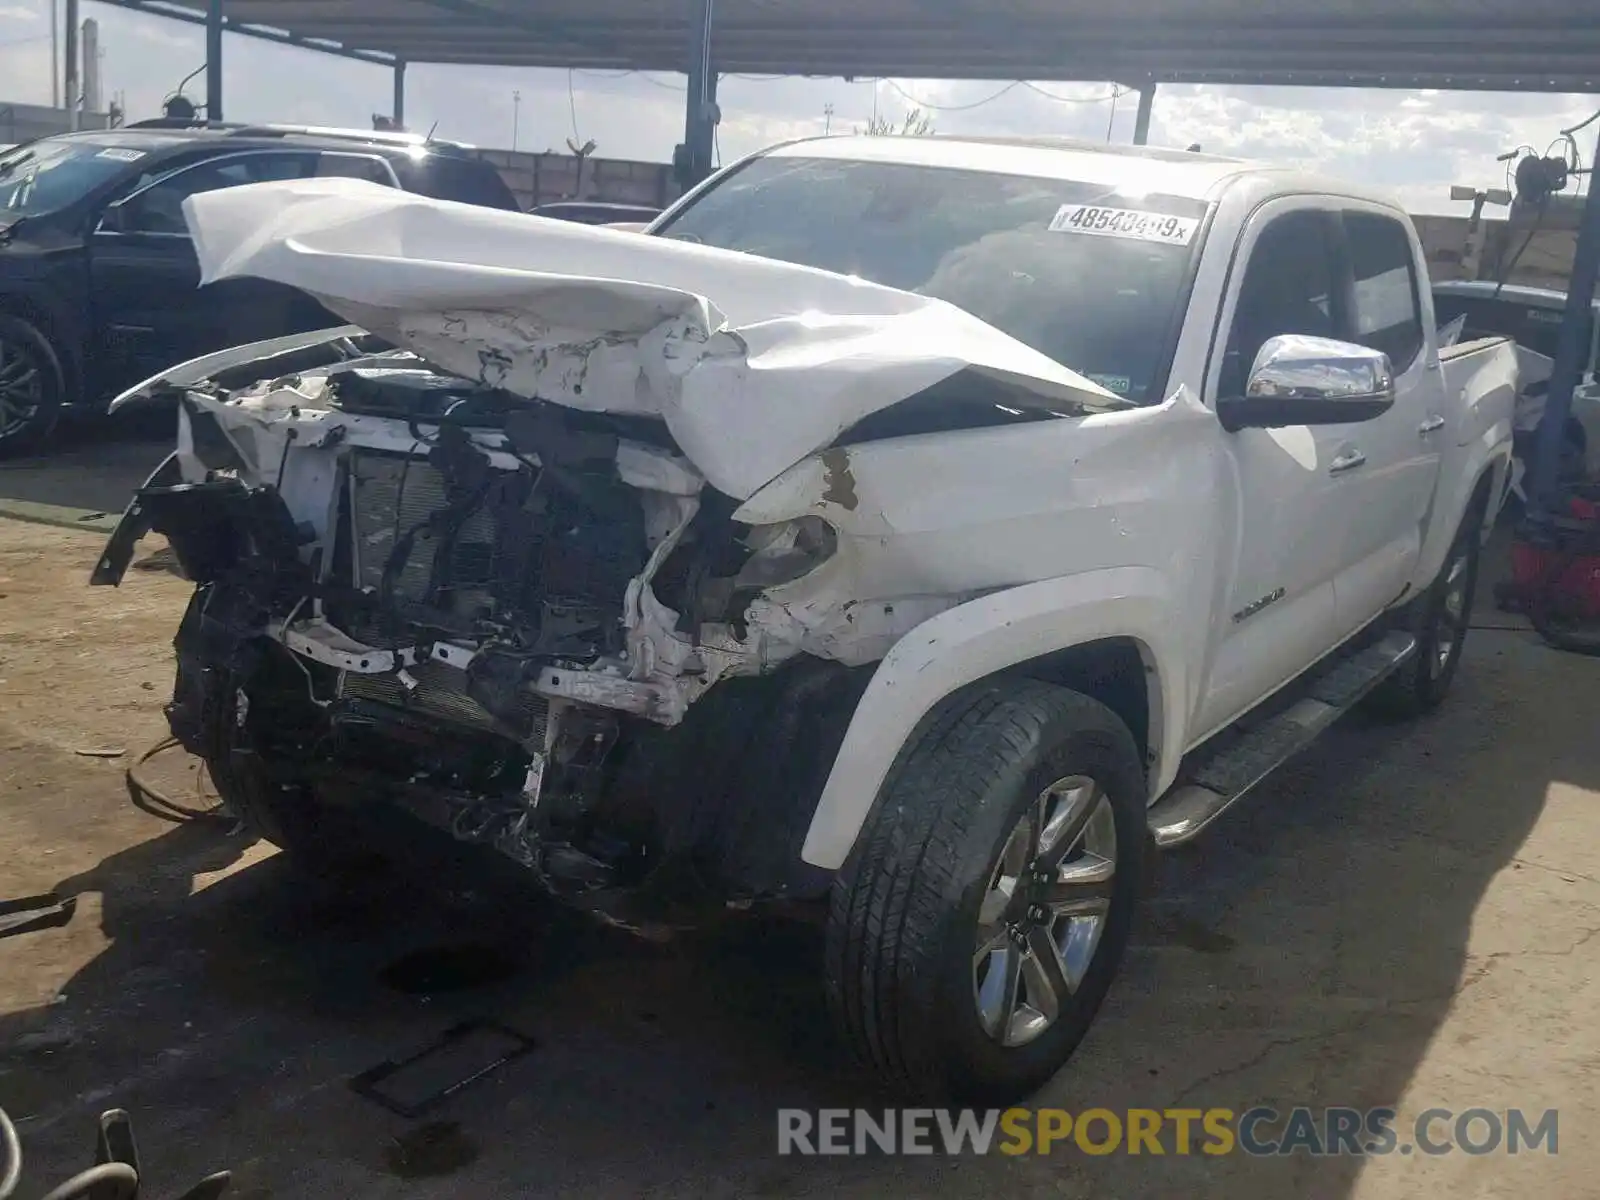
(213, 528)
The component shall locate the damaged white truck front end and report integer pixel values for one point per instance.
(548, 504)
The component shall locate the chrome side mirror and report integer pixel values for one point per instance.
(1300, 380)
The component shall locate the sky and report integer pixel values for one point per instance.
(1418, 143)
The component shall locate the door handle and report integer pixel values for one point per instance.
(1348, 461)
(1431, 425)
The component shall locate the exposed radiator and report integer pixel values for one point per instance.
(392, 495)
(541, 563)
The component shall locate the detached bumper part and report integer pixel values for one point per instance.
(135, 523)
(212, 527)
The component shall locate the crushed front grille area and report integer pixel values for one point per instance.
(532, 567)
(544, 559)
(441, 692)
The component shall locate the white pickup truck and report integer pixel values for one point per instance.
(928, 529)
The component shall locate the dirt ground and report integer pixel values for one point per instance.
(1407, 916)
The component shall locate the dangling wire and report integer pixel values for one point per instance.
(1510, 264)
(1583, 124)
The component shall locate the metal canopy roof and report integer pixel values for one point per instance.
(1498, 45)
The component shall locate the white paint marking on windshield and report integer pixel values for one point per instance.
(1096, 220)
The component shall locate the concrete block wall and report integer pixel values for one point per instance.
(24, 122)
(1546, 262)
(542, 178)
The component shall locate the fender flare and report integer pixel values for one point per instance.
(1488, 455)
(980, 638)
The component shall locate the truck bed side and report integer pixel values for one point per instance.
(1479, 381)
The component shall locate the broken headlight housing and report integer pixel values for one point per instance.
(786, 552)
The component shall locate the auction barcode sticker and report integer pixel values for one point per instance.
(1099, 221)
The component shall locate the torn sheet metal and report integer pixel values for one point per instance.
(198, 370)
(752, 363)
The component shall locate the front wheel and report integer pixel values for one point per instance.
(319, 838)
(292, 819)
(31, 387)
(977, 926)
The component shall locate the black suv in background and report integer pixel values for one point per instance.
(99, 283)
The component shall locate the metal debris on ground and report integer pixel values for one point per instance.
(49, 911)
(463, 1055)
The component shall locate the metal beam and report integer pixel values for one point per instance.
(1572, 351)
(263, 33)
(214, 26)
(1141, 119)
(539, 27)
(1036, 40)
(694, 159)
(611, 23)
(1529, 45)
(398, 112)
(74, 71)
(55, 52)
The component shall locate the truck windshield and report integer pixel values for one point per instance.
(50, 174)
(1092, 279)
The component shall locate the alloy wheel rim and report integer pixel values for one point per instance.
(21, 387)
(1044, 912)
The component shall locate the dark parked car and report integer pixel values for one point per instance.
(98, 277)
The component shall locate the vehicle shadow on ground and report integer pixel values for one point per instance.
(93, 465)
(1310, 953)
(1307, 953)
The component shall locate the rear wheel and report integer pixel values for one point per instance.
(31, 387)
(977, 927)
(1440, 620)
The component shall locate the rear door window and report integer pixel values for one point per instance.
(354, 166)
(158, 209)
(1386, 309)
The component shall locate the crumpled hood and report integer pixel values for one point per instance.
(752, 363)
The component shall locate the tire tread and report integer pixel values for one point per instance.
(897, 890)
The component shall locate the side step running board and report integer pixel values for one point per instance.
(1213, 783)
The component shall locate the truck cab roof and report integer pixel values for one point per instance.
(1147, 169)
